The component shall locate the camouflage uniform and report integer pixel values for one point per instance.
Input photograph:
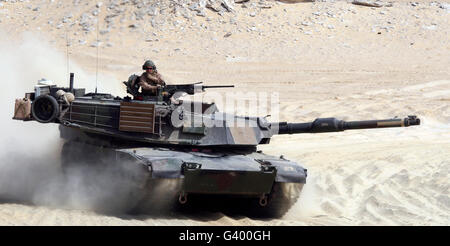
(149, 81)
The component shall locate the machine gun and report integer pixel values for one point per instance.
(169, 90)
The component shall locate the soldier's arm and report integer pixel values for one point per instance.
(160, 80)
(156, 78)
(145, 86)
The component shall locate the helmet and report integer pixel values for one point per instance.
(147, 64)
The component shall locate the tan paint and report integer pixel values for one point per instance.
(243, 135)
(390, 123)
(22, 109)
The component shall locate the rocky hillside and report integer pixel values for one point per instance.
(312, 35)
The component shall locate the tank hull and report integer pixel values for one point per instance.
(188, 175)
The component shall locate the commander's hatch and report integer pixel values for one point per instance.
(138, 117)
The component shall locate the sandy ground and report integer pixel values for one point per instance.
(373, 63)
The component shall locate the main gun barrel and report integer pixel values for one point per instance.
(334, 125)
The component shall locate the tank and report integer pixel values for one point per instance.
(192, 146)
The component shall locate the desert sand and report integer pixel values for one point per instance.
(325, 59)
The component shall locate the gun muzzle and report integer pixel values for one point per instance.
(410, 121)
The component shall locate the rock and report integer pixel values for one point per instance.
(228, 5)
(82, 42)
(252, 14)
(139, 14)
(152, 11)
(214, 6)
(367, 3)
(264, 4)
(36, 9)
(134, 25)
(305, 23)
(177, 22)
(199, 7)
(227, 35)
(99, 4)
(201, 13)
(445, 6)
(431, 27)
(109, 44)
(96, 44)
(331, 15)
(86, 22)
(66, 19)
(220, 6)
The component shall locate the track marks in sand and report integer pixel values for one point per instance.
(383, 181)
(427, 85)
(429, 89)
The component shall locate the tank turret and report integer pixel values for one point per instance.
(162, 119)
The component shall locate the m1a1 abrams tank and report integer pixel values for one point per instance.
(192, 144)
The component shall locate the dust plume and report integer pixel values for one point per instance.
(30, 167)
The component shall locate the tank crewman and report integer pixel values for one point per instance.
(150, 80)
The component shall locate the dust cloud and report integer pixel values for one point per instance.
(30, 166)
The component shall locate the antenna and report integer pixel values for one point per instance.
(67, 51)
(96, 69)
